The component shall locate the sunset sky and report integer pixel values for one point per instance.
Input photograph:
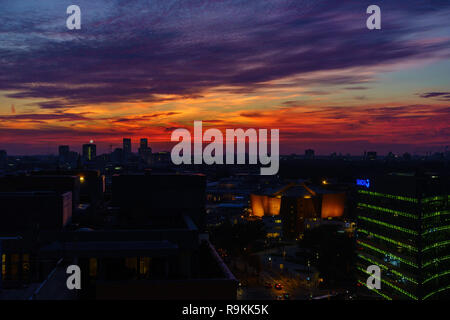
(143, 68)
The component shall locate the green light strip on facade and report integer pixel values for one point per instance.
(387, 225)
(436, 229)
(390, 196)
(401, 244)
(390, 284)
(410, 263)
(438, 275)
(435, 214)
(426, 200)
(437, 291)
(426, 264)
(403, 214)
(387, 268)
(437, 244)
(375, 290)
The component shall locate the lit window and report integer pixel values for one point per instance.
(14, 265)
(131, 263)
(26, 263)
(144, 265)
(3, 265)
(93, 267)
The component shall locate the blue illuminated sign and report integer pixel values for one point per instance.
(363, 182)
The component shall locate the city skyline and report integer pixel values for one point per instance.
(142, 69)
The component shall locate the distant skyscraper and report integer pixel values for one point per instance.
(117, 155)
(144, 143)
(63, 152)
(3, 158)
(89, 151)
(126, 146)
(371, 155)
(144, 151)
(309, 154)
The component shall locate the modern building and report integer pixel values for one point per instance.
(91, 184)
(154, 249)
(89, 151)
(145, 151)
(141, 196)
(370, 155)
(403, 227)
(45, 181)
(27, 221)
(148, 244)
(117, 155)
(161, 159)
(3, 158)
(295, 203)
(22, 212)
(143, 143)
(63, 152)
(309, 154)
(126, 146)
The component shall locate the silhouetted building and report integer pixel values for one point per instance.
(404, 227)
(89, 151)
(371, 155)
(43, 182)
(309, 154)
(91, 183)
(407, 156)
(161, 159)
(63, 153)
(155, 249)
(145, 151)
(143, 143)
(117, 155)
(3, 159)
(23, 212)
(29, 220)
(126, 146)
(140, 196)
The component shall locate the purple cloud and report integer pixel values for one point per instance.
(139, 51)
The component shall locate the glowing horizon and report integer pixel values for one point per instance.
(142, 69)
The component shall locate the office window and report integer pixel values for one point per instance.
(15, 261)
(144, 266)
(26, 265)
(92, 267)
(3, 265)
(131, 264)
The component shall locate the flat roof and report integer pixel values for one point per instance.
(112, 248)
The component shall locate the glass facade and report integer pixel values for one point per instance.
(406, 234)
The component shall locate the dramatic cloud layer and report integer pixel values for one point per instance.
(310, 68)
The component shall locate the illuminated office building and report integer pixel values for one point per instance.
(295, 203)
(404, 228)
(89, 151)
